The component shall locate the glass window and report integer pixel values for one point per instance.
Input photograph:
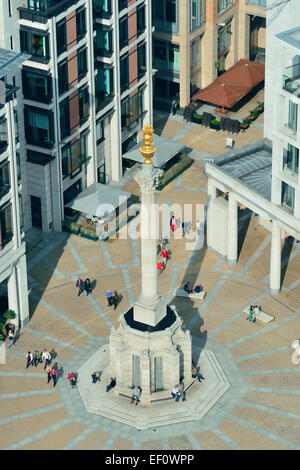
(103, 42)
(63, 78)
(292, 160)
(21, 212)
(38, 128)
(84, 104)
(104, 90)
(288, 195)
(64, 117)
(166, 55)
(165, 15)
(80, 23)
(73, 156)
(3, 135)
(222, 4)
(123, 32)
(141, 21)
(61, 36)
(124, 73)
(99, 131)
(141, 60)
(37, 45)
(102, 8)
(4, 178)
(195, 52)
(132, 109)
(224, 37)
(293, 111)
(6, 225)
(18, 166)
(36, 86)
(197, 13)
(81, 63)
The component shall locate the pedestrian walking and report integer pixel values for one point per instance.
(175, 106)
(198, 228)
(11, 338)
(136, 395)
(80, 286)
(109, 295)
(173, 223)
(54, 375)
(36, 358)
(164, 256)
(46, 356)
(111, 384)
(115, 299)
(95, 377)
(160, 267)
(29, 359)
(48, 371)
(181, 391)
(196, 374)
(176, 393)
(87, 287)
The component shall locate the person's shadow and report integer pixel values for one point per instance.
(93, 285)
(119, 299)
(60, 372)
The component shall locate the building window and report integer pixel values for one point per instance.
(64, 117)
(12, 43)
(61, 36)
(99, 131)
(104, 87)
(36, 86)
(38, 128)
(123, 32)
(141, 20)
(84, 104)
(21, 212)
(288, 195)
(18, 166)
(3, 135)
(141, 60)
(166, 55)
(102, 8)
(73, 156)
(122, 4)
(16, 122)
(258, 3)
(197, 13)
(4, 178)
(124, 73)
(132, 109)
(37, 45)
(293, 111)
(63, 78)
(79, 109)
(9, 8)
(103, 41)
(80, 23)
(6, 225)
(165, 15)
(222, 4)
(224, 37)
(81, 63)
(195, 52)
(292, 159)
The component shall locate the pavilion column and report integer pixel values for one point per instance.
(232, 238)
(275, 267)
(211, 195)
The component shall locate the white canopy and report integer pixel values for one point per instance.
(98, 200)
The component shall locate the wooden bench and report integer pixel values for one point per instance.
(182, 293)
(262, 316)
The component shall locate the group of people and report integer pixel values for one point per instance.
(195, 290)
(185, 225)
(163, 256)
(84, 286)
(112, 298)
(33, 359)
(253, 311)
(178, 392)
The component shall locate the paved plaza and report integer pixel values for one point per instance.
(260, 410)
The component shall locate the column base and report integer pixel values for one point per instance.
(149, 314)
(232, 262)
(275, 291)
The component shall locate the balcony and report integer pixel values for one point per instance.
(41, 10)
(102, 10)
(257, 3)
(291, 79)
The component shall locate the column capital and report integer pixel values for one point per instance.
(148, 182)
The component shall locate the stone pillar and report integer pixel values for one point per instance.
(21, 271)
(12, 290)
(145, 378)
(211, 194)
(232, 239)
(275, 265)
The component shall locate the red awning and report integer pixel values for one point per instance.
(233, 85)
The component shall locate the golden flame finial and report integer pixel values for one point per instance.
(147, 150)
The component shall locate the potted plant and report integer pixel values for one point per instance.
(260, 107)
(71, 227)
(88, 232)
(254, 113)
(9, 315)
(197, 118)
(246, 121)
(214, 124)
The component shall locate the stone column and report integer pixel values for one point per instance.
(211, 194)
(232, 239)
(13, 296)
(275, 265)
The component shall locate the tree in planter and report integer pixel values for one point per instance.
(9, 315)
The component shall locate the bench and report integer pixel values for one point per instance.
(262, 316)
(183, 293)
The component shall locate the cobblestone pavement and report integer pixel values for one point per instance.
(261, 410)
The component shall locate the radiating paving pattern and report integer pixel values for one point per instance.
(261, 410)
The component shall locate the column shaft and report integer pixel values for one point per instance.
(211, 194)
(148, 246)
(232, 239)
(275, 265)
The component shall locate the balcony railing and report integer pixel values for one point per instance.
(257, 3)
(41, 10)
(291, 79)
